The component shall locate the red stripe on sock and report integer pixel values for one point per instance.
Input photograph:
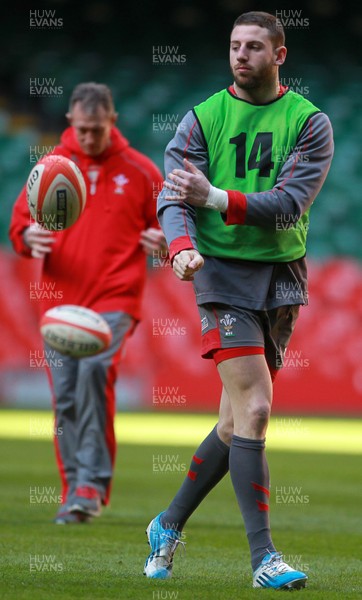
(262, 506)
(197, 460)
(260, 488)
(192, 475)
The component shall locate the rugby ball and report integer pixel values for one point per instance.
(56, 192)
(75, 331)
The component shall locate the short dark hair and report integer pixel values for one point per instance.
(92, 95)
(263, 19)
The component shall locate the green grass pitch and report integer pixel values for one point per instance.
(315, 512)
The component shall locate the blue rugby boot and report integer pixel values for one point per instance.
(163, 544)
(274, 573)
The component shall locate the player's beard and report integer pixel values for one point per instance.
(253, 80)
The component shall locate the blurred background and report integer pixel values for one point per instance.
(49, 48)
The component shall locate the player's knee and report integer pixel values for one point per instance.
(225, 430)
(259, 414)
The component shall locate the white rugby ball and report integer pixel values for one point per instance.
(56, 192)
(75, 331)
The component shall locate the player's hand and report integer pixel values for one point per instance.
(153, 241)
(186, 263)
(190, 185)
(40, 240)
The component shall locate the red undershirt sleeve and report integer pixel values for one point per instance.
(179, 244)
(236, 212)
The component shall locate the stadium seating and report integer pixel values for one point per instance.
(149, 115)
(322, 374)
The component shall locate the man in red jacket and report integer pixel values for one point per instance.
(99, 263)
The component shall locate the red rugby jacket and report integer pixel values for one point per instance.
(99, 262)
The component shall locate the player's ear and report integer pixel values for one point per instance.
(114, 118)
(68, 116)
(280, 55)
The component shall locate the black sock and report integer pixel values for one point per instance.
(250, 477)
(209, 465)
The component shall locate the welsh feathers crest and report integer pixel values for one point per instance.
(120, 181)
